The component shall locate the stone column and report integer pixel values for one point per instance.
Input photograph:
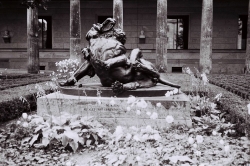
(75, 30)
(161, 36)
(118, 13)
(247, 63)
(32, 41)
(206, 36)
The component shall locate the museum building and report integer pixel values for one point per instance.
(140, 21)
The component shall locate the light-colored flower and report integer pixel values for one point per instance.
(227, 148)
(112, 102)
(157, 137)
(248, 107)
(18, 122)
(204, 78)
(99, 102)
(118, 133)
(218, 96)
(214, 132)
(198, 153)
(138, 158)
(158, 104)
(169, 119)
(167, 94)
(221, 142)
(190, 140)
(128, 109)
(154, 115)
(24, 115)
(171, 93)
(195, 145)
(148, 113)
(134, 128)
(187, 70)
(25, 124)
(142, 104)
(149, 128)
(131, 99)
(138, 112)
(29, 118)
(175, 91)
(199, 139)
(118, 130)
(136, 137)
(213, 105)
(128, 136)
(68, 163)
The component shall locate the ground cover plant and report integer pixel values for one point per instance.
(18, 93)
(11, 80)
(238, 84)
(213, 139)
(50, 140)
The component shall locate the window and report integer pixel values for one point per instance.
(101, 19)
(177, 32)
(45, 32)
(242, 32)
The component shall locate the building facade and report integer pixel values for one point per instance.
(184, 20)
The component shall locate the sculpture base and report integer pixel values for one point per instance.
(91, 90)
(117, 112)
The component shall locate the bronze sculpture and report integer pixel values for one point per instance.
(106, 57)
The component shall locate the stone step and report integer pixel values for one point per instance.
(117, 111)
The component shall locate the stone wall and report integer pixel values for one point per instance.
(138, 15)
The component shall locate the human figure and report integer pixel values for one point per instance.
(106, 57)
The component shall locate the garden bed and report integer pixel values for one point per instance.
(12, 80)
(18, 93)
(178, 145)
(237, 84)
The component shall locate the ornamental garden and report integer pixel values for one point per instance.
(219, 134)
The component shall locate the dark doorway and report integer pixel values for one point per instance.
(45, 33)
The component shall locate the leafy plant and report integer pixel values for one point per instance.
(69, 130)
(65, 68)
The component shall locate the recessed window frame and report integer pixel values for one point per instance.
(185, 29)
(48, 44)
(242, 31)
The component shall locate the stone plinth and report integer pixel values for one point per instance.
(117, 111)
(93, 89)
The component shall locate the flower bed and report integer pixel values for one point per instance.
(18, 93)
(12, 80)
(238, 84)
(216, 138)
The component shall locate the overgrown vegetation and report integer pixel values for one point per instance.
(18, 93)
(220, 126)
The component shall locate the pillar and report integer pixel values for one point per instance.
(206, 36)
(75, 30)
(32, 41)
(118, 13)
(247, 63)
(161, 36)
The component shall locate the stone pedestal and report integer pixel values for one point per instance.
(116, 110)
